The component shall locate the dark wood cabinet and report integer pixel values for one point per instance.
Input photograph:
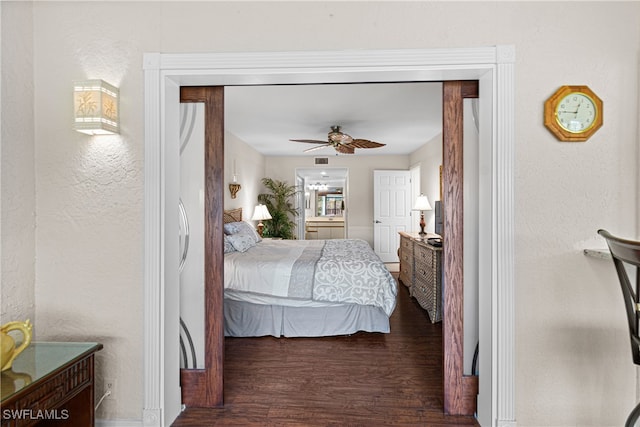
(50, 384)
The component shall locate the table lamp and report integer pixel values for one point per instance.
(422, 204)
(260, 213)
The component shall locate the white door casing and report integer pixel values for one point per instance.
(493, 67)
(415, 192)
(300, 206)
(391, 211)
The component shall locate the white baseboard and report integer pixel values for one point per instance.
(118, 423)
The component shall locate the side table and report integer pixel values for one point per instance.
(49, 384)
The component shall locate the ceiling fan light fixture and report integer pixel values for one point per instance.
(343, 143)
(338, 137)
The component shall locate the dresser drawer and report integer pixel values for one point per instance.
(425, 271)
(406, 275)
(405, 253)
(425, 255)
(406, 245)
(406, 258)
(427, 285)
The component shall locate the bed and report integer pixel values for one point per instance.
(303, 288)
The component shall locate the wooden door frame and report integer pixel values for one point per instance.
(492, 66)
(459, 390)
(204, 387)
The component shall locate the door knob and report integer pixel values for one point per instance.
(378, 222)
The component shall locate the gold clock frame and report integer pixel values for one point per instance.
(551, 120)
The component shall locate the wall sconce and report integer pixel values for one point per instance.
(96, 109)
(422, 204)
(233, 189)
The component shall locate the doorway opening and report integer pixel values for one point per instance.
(204, 387)
(323, 203)
(164, 73)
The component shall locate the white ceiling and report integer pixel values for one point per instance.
(404, 116)
(333, 177)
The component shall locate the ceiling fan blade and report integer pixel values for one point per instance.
(365, 143)
(311, 141)
(344, 149)
(317, 148)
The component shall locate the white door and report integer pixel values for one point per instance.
(391, 211)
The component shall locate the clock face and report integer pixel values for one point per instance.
(576, 112)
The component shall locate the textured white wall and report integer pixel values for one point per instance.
(89, 191)
(429, 157)
(249, 166)
(17, 177)
(572, 355)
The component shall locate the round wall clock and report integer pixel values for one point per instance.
(573, 113)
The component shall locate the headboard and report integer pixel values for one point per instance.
(233, 215)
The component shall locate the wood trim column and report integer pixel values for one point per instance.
(204, 387)
(460, 391)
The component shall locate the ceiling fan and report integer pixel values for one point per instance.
(342, 142)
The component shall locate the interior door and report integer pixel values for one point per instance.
(203, 386)
(391, 211)
(460, 390)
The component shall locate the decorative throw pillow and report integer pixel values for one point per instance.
(232, 215)
(228, 247)
(242, 227)
(232, 227)
(241, 242)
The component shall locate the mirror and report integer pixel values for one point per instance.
(330, 202)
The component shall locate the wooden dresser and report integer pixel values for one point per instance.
(421, 272)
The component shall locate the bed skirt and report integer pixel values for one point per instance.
(243, 319)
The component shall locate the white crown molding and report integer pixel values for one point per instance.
(493, 66)
(327, 59)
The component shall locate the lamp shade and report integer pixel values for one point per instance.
(422, 203)
(96, 108)
(260, 212)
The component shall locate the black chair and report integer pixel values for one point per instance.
(627, 252)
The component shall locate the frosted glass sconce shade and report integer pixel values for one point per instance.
(95, 106)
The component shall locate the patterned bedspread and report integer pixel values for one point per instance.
(331, 271)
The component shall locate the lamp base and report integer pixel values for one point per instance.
(260, 227)
(422, 224)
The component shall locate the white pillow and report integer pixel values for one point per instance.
(241, 242)
(228, 247)
(242, 227)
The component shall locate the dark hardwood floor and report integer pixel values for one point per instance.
(366, 379)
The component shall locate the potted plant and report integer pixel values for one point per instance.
(280, 202)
